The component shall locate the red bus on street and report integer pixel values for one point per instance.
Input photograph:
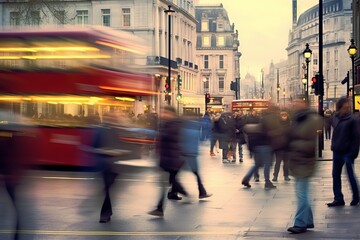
(249, 104)
(64, 80)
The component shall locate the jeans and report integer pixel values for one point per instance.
(234, 145)
(339, 159)
(304, 214)
(281, 157)
(263, 157)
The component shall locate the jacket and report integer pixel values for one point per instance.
(302, 143)
(346, 135)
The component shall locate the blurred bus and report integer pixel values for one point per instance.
(65, 79)
(249, 104)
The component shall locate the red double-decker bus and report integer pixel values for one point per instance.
(64, 80)
(249, 104)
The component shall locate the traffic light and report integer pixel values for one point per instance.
(207, 97)
(167, 85)
(233, 86)
(179, 80)
(315, 84)
(346, 79)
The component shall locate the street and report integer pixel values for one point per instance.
(66, 205)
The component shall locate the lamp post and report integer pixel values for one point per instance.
(168, 97)
(304, 81)
(352, 50)
(277, 86)
(307, 55)
(284, 96)
(206, 89)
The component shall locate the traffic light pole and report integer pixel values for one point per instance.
(321, 83)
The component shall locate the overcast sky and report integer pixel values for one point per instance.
(263, 27)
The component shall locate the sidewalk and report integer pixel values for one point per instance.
(266, 214)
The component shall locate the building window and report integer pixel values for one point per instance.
(221, 61)
(220, 26)
(220, 41)
(82, 17)
(336, 55)
(35, 17)
(221, 84)
(59, 17)
(206, 41)
(14, 18)
(336, 72)
(105, 15)
(206, 84)
(205, 25)
(327, 57)
(206, 61)
(126, 16)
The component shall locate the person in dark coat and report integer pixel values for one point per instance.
(239, 141)
(253, 118)
(302, 162)
(205, 127)
(226, 129)
(328, 119)
(215, 133)
(168, 147)
(345, 147)
(280, 153)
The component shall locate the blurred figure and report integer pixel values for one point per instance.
(189, 149)
(301, 152)
(260, 140)
(239, 140)
(253, 118)
(226, 132)
(280, 152)
(168, 147)
(328, 121)
(205, 127)
(15, 143)
(106, 139)
(215, 133)
(345, 147)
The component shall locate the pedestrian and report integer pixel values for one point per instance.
(226, 130)
(253, 118)
(302, 161)
(239, 137)
(215, 133)
(260, 144)
(170, 161)
(189, 150)
(345, 147)
(280, 153)
(328, 119)
(205, 127)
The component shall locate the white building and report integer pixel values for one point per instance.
(146, 19)
(337, 30)
(217, 55)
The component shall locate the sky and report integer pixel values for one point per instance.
(263, 27)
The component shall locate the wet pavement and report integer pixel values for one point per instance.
(66, 205)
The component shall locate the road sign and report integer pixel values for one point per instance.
(357, 102)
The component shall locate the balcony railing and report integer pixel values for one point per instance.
(158, 60)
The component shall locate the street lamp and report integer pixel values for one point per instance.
(304, 80)
(352, 50)
(307, 55)
(284, 96)
(168, 82)
(278, 92)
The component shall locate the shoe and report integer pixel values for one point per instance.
(354, 202)
(234, 160)
(287, 178)
(274, 179)
(246, 183)
(335, 204)
(240, 160)
(310, 226)
(206, 195)
(104, 219)
(269, 185)
(257, 179)
(297, 229)
(173, 196)
(157, 212)
(212, 154)
(225, 161)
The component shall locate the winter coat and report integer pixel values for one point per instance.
(226, 129)
(169, 145)
(302, 143)
(189, 143)
(346, 135)
(240, 122)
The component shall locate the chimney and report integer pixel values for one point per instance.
(294, 12)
